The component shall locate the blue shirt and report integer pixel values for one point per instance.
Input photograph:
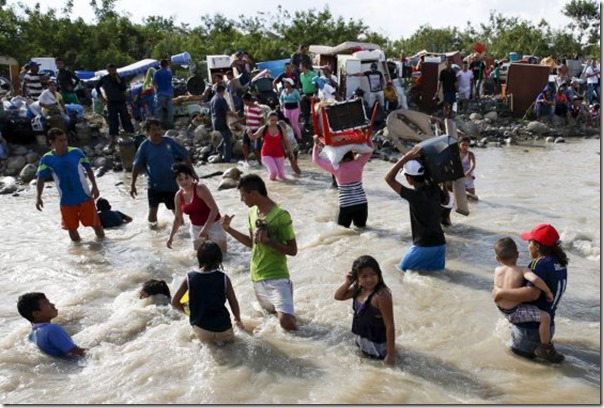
(68, 171)
(110, 219)
(51, 339)
(219, 108)
(157, 159)
(163, 82)
(554, 275)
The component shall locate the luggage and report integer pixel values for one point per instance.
(74, 107)
(19, 130)
(441, 159)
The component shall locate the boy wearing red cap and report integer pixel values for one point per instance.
(549, 263)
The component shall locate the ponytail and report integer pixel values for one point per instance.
(555, 252)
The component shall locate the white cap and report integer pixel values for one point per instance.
(413, 168)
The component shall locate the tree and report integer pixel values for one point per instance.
(585, 15)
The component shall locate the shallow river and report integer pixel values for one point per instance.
(450, 338)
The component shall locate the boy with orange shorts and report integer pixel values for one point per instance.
(69, 166)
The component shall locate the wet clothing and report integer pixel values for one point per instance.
(111, 219)
(207, 297)
(465, 163)
(424, 206)
(197, 210)
(525, 336)
(267, 262)
(369, 328)
(157, 160)
(522, 313)
(51, 339)
(68, 172)
(272, 145)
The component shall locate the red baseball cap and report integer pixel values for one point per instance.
(544, 234)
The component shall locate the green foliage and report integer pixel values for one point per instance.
(585, 16)
(27, 32)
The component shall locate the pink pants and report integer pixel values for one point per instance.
(275, 167)
(293, 115)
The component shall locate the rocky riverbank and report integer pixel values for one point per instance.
(19, 163)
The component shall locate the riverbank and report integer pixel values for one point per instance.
(19, 164)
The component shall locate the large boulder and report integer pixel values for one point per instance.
(28, 173)
(31, 157)
(201, 134)
(471, 129)
(16, 163)
(491, 116)
(537, 127)
(475, 116)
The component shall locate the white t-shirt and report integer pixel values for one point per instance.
(591, 70)
(465, 79)
(327, 93)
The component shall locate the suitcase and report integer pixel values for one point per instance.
(19, 130)
(441, 159)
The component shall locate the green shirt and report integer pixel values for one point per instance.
(306, 80)
(267, 262)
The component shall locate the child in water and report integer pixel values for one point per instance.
(209, 288)
(110, 219)
(549, 263)
(468, 162)
(158, 290)
(509, 275)
(49, 337)
(373, 321)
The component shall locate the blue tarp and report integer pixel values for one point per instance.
(275, 67)
(139, 67)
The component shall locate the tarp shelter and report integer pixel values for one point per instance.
(347, 47)
(525, 82)
(453, 56)
(139, 67)
(275, 67)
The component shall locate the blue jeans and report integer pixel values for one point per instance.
(590, 92)
(226, 145)
(164, 111)
(525, 340)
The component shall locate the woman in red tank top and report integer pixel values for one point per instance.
(275, 146)
(195, 200)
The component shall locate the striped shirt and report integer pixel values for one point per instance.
(253, 116)
(351, 194)
(32, 85)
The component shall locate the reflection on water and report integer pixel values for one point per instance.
(451, 340)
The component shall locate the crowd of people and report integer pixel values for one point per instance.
(527, 298)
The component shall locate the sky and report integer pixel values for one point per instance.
(391, 18)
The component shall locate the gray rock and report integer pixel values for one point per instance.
(232, 173)
(537, 127)
(8, 185)
(491, 116)
(31, 157)
(19, 150)
(216, 158)
(238, 148)
(475, 116)
(227, 183)
(16, 163)
(201, 134)
(28, 173)
(560, 139)
(99, 162)
(471, 129)
(549, 139)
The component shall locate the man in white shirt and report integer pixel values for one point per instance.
(464, 83)
(592, 74)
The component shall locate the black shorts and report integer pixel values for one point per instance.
(449, 97)
(156, 197)
(354, 213)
